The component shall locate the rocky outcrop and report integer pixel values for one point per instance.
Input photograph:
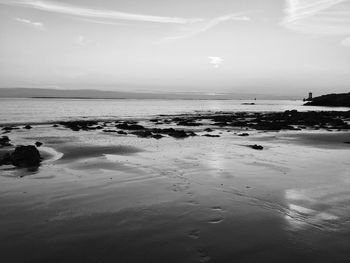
(5, 141)
(256, 147)
(25, 156)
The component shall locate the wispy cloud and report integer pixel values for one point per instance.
(36, 25)
(215, 61)
(74, 10)
(191, 26)
(318, 17)
(201, 27)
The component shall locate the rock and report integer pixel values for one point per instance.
(28, 127)
(5, 159)
(126, 126)
(157, 136)
(55, 125)
(211, 135)
(243, 134)
(143, 134)
(208, 130)
(9, 128)
(109, 131)
(5, 141)
(178, 134)
(25, 156)
(256, 147)
(38, 144)
(79, 125)
(122, 132)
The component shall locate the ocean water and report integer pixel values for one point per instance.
(13, 110)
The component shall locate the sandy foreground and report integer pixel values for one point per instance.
(106, 197)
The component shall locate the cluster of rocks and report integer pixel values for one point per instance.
(131, 126)
(22, 156)
(262, 121)
(84, 125)
(276, 121)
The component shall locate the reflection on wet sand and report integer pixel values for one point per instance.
(322, 207)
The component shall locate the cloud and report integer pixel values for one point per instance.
(36, 25)
(74, 10)
(201, 27)
(318, 17)
(192, 26)
(216, 61)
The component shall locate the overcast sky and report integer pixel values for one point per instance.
(256, 46)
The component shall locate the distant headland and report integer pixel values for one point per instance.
(108, 94)
(330, 100)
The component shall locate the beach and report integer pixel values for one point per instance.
(201, 195)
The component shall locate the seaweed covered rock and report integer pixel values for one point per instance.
(127, 126)
(25, 156)
(256, 147)
(5, 141)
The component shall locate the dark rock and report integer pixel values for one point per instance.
(122, 132)
(243, 134)
(5, 159)
(5, 141)
(55, 125)
(9, 128)
(38, 144)
(211, 135)
(25, 156)
(126, 126)
(109, 131)
(208, 130)
(28, 127)
(178, 134)
(79, 125)
(157, 136)
(143, 134)
(256, 147)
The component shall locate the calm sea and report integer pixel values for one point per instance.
(48, 110)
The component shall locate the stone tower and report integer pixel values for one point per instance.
(310, 96)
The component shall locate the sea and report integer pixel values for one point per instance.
(43, 110)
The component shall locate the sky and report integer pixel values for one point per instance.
(279, 47)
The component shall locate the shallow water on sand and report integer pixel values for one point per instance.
(113, 198)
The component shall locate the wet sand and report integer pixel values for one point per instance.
(107, 197)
